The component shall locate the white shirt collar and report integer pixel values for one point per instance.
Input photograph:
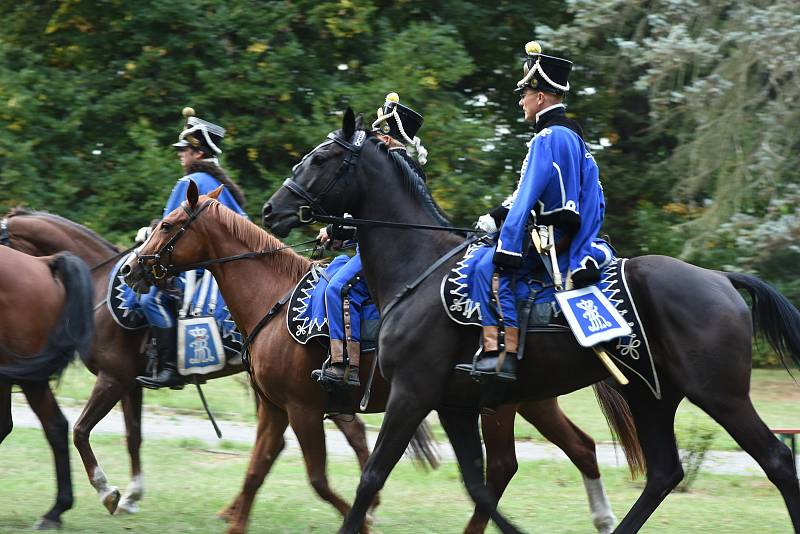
(545, 110)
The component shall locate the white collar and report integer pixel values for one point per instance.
(545, 110)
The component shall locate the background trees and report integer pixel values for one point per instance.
(690, 106)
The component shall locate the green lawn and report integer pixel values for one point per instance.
(775, 394)
(185, 484)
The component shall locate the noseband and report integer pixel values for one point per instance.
(306, 212)
(157, 269)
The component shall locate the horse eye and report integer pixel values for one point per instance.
(166, 227)
(318, 160)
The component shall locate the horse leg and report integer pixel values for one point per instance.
(501, 459)
(56, 429)
(404, 413)
(655, 421)
(740, 419)
(310, 432)
(556, 427)
(132, 411)
(462, 429)
(272, 422)
(356, 433)
(6, 422)
(105, 394)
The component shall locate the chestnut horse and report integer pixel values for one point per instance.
(700, 330)
(115, 352)
(45, 317)
(281, 368)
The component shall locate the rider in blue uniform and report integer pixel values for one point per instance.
(198, 147)
(396, 125)
(559, 187)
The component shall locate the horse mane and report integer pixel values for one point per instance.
(254, 238)
(58, 219)
(414, 180)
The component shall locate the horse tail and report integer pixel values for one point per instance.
(422, 448)
(773, 315)
(620, 422)
(72, 332)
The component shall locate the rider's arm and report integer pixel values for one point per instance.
(537, 175)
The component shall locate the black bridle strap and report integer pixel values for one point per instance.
(173, 269)
(349, 221)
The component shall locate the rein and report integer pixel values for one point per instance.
(313, 211)
(113, 258)
(349, 221)
(237, 257)
(159, 271)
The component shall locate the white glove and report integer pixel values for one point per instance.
(143, 233)
(486, 223)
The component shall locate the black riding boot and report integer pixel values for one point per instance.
(167, 345)
(486, 366)
(336, 371)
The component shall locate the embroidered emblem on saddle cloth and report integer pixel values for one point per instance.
(199, 349)
(625, 339)
(306, 317)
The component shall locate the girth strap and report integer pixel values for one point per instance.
(261, 324)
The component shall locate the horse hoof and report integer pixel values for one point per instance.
(127, 506)
(47, 524)
(111, 500)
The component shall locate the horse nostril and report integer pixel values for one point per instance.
(266, 211)
(125, 271)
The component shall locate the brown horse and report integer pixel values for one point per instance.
(115, 352)
(45, 316)
(281, 368)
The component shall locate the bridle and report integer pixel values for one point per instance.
(307, 212)
(158, 270)
(313, 210)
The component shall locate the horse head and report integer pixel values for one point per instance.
(174, 244)
(324, 182)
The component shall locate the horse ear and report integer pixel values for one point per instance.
(216, 192)
(348, 124)
(360, 121)
(192, 194)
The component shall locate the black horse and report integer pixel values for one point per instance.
(700, 331)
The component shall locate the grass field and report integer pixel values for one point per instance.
(186, 483)
(775, 394)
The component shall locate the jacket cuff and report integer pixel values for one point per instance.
(502, 259)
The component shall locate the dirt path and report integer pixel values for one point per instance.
(169, 426)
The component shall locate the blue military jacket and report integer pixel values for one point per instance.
(559, 184)
(205, 184)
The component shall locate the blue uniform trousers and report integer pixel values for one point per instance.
(347, 282)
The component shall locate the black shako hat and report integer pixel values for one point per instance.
(200, 134)
(401, 123)
(398, 121)
(543, 72)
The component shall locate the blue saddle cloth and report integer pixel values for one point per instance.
(123, 304)
(306, 316)
(465, 305)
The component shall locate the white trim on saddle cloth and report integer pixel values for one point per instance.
(128, 318)
(591, 317)
(462, 309)
(200, 349)
(301, 327)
